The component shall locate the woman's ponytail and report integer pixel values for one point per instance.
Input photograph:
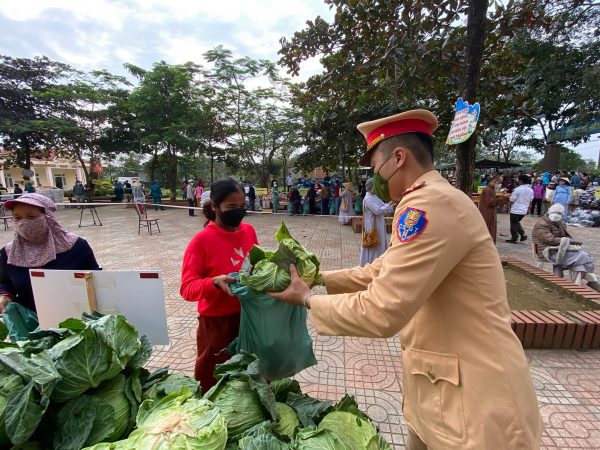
(209, 213)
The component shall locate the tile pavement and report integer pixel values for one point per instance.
(567, 382)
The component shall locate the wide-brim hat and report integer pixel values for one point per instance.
(376, 131)
(348, 185)
(39, 200)
(565, 179)
(137, 183)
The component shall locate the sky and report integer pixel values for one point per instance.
(104, 34)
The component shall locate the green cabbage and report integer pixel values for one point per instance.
(179, 421)
(267, 276)
(240, 405)
(288, 421)
(97, 353)
(8, 383)
(271, 268)
(308, 439)
(112, 393)
(360, 434)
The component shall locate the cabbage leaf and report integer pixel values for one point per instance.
(271, 268)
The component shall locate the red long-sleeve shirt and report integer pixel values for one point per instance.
(212, 252)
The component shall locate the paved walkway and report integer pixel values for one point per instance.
(567, 381)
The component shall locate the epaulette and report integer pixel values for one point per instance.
(414, 188)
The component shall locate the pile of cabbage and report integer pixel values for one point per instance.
(269, 269)
(83, 385)
(77, 385)
(243, 412)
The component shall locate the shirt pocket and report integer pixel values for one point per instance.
(436, 380)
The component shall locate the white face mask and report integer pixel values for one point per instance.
(274, 184)
(555, 217)
(562, 183)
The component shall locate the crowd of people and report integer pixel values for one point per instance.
(551, 240)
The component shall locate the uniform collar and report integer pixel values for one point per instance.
(432, 175)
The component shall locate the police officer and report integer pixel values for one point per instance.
(466, 382)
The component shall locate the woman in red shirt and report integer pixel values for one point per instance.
(216, 251)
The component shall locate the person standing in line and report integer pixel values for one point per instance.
(336, 197)
(289, 181)
(29, 188)
(295, 200)
(546, 178)
(215, 252)
(198, 194)
(562, 195)
(139, 195)
(539, 194)
(346, 204)
(374, 210)
(325, 198)
(252, 196)
(119, 192)
(520, 201)
(78, 192)
(156, 192)
(275, 197)
(489, 203)
(17, 190)
(190, 197)
(312, 195)
(464, 387)
(556, 176)
(183, 189)
(128, 191)
(575, 180)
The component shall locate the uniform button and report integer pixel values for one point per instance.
(431, 375)
(403, 347)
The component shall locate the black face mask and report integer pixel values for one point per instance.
(233, 217)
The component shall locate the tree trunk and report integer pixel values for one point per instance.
(212, 165)
(173, 174)
(27, 147)
(465, 152)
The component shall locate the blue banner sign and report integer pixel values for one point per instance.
(574, 131)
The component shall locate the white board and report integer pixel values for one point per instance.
(137, 295)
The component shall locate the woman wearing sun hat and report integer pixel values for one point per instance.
(39, 242)
(562, 195)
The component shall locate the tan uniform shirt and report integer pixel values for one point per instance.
(466, 382)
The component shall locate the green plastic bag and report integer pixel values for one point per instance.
(332, 206)
(20, 321)
(306, 208)
(273, 331)
(290, 209)
(358, 205)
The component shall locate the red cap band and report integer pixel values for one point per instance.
(399, 127)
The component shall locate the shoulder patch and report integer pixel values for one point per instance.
(411, 224)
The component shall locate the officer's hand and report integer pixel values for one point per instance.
(296, 291)
(393, 203)
(223, 282)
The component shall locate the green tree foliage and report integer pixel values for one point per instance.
(384, 57)
(163, 104)
(264, 125)
(563, 79)
(92, 106)
(27, 110)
